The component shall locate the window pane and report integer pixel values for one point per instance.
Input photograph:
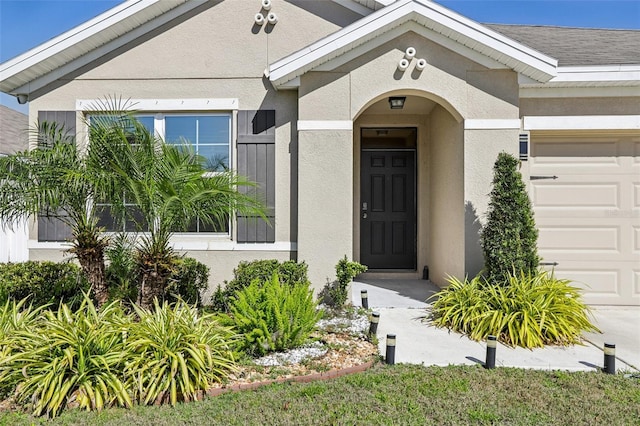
(147, 121)
(209, 135)
(217, 157)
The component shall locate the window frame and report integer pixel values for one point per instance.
(159, 109)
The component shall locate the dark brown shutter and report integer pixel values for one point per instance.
(257, 162)
(52, 228)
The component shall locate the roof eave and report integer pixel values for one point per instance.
(521, 58)
(19, 73)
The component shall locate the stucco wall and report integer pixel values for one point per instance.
(446, 245)
(481, 149)
(325, 201)
(214, 52)
(579, 106)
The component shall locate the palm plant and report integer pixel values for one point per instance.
(170, 189)
(55, 180)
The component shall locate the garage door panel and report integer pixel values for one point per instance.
(588, 217)
(577, 195)
(597, 240)
(609, 285)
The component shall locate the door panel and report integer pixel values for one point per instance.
(388, 210)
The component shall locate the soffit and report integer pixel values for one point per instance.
(88, 37)
(444, 23)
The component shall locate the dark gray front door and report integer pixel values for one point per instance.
(388, 210)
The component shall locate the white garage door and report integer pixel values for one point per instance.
(589, 215)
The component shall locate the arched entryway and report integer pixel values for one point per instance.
(408, 186)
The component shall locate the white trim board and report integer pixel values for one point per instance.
(158, 105)
(325, 125)
(586, 122)
(492, 124)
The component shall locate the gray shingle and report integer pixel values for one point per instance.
(577, 46)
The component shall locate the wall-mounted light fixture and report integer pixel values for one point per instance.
(397, 102)
(22, 98)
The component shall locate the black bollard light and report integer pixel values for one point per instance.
(373, 324)
(365, 299)
(610, 358)
(492, 343)
(390, 357)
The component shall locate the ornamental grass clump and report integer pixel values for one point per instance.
(175, 351)
(531, 310)
(68, 357)
(273, 316)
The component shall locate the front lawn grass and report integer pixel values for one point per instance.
(401, 394)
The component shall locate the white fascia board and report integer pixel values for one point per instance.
(462, 30)
(38, 56)
(585, 122)
(597, 74)
(492, 124)
(160, 105)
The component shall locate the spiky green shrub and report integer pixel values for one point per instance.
(15, 318)
(289, 272)
(70, 357)
(533, 310)
(346, 271)
(43, 283)
(509, 237)
(273, 316)
(176, 352)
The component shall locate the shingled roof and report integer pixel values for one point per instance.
(578, 46)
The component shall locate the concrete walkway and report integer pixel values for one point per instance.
(402, 308)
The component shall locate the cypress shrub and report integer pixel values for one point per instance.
(509, 237)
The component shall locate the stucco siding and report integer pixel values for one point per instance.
(325, 201)
(481, 149)
(447, 198)
(579, 106)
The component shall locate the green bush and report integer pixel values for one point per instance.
(346, 271)
(188, 280)
(42, 283)
(272, 316)
(69, 357)
(509, 238)
(175, 352)
(533, 310)
(289, 272)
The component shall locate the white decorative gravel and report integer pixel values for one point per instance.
(358, 325)
(293, 356)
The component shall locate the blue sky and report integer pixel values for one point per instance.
(25, 24)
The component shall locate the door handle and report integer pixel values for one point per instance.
(364, 210)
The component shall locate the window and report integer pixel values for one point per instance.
(210, 136)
